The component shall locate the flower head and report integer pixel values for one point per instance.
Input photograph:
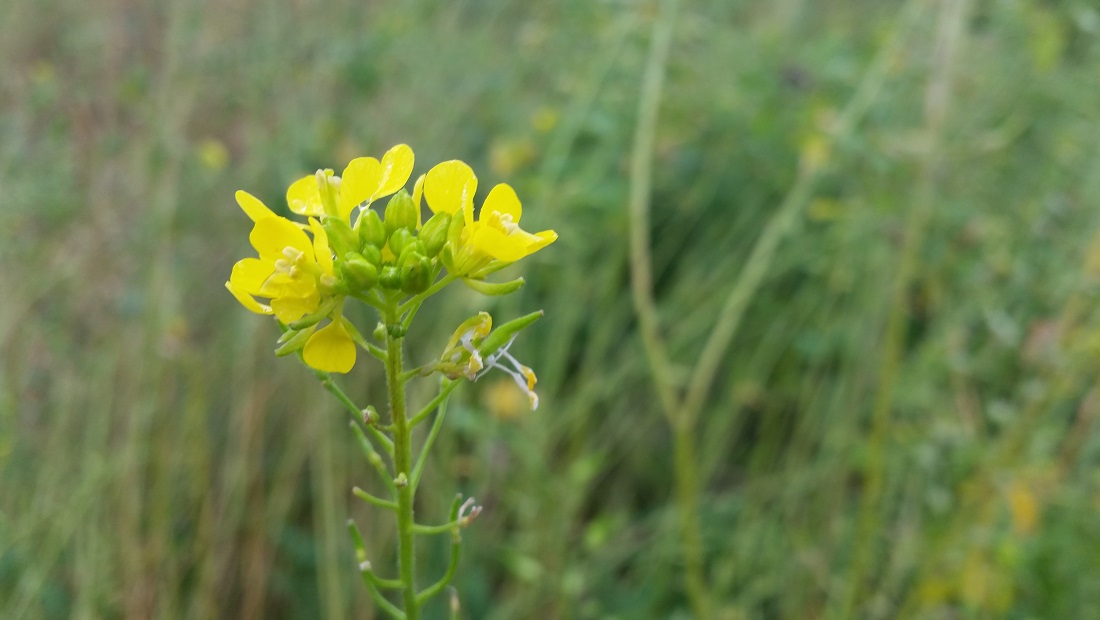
(296, 274)
(365, 179)
(495, 234)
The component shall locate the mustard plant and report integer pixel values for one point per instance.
(347, 252)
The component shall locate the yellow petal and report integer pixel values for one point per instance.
(503, 200)
(290, 309)
(358, 183)
(495, 243)
(252, 206)
(271, 234)
(330, 349)
(249, 275)
(304, 198)
(449, 187)
(397, 165)
(248, 301)
(418, 193)
(321, 249)
(282, 284)
(541, 240)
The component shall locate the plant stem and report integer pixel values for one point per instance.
(687, 501)
(402, 456)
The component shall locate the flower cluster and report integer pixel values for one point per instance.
(305, 271)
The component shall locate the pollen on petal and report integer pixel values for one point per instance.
(330, 349)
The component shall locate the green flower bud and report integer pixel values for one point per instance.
(359, 273)
(434, 233)
(390, 277)
(454, 231)
(416, 274)
(401, 212)
(399, 239)
(371, 229)
(494, 288)
(380, 332)
(373, 255)
(340, 235)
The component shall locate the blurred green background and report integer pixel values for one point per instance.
(904, 424)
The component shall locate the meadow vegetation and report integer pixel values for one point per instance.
(903, 424)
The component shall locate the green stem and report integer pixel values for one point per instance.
(441, 402)
(456, 550)
(371, 499)
(402, 456)
(687, 501)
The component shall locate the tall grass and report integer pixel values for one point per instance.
(157, 461)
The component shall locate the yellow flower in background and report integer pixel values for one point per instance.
(495, 234)
(365, 179)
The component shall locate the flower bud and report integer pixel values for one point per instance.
(454, 231)
(340, 235)
(359, 273)
(434, 233)
(390, 277)
(373, 255)
(401, 212)
(399, 239)
(371, 229)
(416, 274)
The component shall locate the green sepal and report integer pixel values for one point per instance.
(401, 212)
(340, 235)
(494, 288)
(503, 333)
(371, 229)
(324, 310)
(434, 233)
(295, 342)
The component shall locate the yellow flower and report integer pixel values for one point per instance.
(495, 235)
(296, 274)
(365, 179)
